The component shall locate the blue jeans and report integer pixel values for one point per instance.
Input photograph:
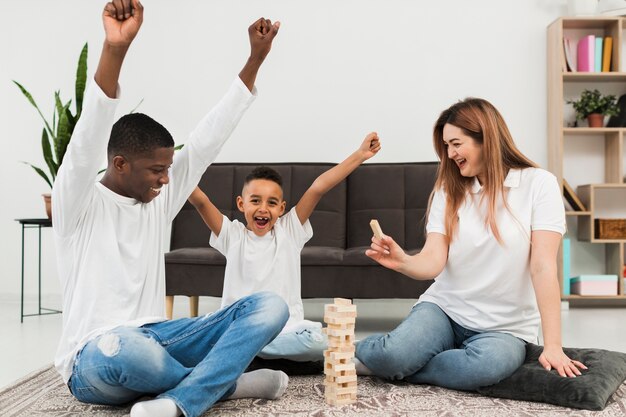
(429, 348)
(192, 361)
(301, 345)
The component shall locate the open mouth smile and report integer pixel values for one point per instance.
(261, 222)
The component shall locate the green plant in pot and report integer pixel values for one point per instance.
(593, 106)
(56, 135)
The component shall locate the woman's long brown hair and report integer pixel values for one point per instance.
(480, 120)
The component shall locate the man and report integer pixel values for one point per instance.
(116, 345)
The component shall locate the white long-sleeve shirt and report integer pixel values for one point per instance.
(110, 248)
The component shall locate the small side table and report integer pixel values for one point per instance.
(34, 224)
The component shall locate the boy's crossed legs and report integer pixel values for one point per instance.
(188, 363)
(306, 344)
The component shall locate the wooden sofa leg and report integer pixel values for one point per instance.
(193, 305)
(169, 306)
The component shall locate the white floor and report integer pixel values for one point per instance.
(31, 345)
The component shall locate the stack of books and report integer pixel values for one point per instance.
(590, 54)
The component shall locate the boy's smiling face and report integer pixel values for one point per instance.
(262, 204)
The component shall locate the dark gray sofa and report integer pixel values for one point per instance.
(333, 261)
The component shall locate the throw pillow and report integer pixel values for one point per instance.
(590, 391)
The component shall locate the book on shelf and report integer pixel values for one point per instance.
(594, 285)
(607, 50)
(586, 54)
(597, 66)
(572, 198)
(570, 59)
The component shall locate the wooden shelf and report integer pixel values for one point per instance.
(585, 131)
(596, 77)
(593, 297)
(596, 198)
(578, 213)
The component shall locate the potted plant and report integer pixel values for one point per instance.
(593, 106)
(56, 136)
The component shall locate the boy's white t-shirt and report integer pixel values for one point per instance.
(486, 286)
(265, 263)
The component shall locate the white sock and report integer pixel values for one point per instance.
(361, 369)
(159, 407)
(262, 383)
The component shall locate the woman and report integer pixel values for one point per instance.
(494, 227)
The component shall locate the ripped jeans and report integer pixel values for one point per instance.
(193, 361)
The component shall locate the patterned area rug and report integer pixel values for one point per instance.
(42, 393)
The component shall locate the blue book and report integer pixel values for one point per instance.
(598, 52)
(566, 266)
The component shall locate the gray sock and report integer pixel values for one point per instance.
(262, 383)
(361, 369)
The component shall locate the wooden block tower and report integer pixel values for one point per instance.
(340, 373)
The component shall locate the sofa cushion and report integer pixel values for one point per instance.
(203, 256)
(590, 391)
(321, 255)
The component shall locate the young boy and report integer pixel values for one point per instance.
(264, 254)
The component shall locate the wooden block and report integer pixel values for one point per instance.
(336, 392)
(339, 332)
(335, 308)
(340, 367)
(340, 320)
(346, 387)
(342, 301)
(347, 314)
(378, 232)
(341, 379)
(340, 370)
(341, 400)
(343, 349)
(335, 362)
(339, 344)
(334, 355)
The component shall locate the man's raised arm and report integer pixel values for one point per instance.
(122, 20)
(261, 33)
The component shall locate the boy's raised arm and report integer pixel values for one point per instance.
(122, 20)
(209, 213)
(261, 33)
(332, 177)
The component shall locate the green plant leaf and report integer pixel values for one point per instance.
(47, 154)
(63, 135)
(55, 139)
(81, 79)
(179, 147)
(40, 172)
(32, 101)
(66, 135)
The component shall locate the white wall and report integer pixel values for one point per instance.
(338, 69)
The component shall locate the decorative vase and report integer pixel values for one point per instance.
(595, 120)
(47, 198)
